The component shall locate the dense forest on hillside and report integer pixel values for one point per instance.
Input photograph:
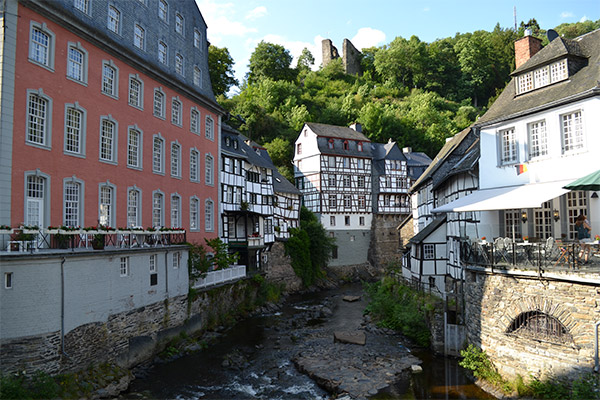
(413, 92)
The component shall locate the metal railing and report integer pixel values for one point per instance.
(221, 276)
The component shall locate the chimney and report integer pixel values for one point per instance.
(407, 150)
(526, 47)
(356, 126)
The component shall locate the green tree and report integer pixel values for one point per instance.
(281, 151)
(220, 67)
(270, 61)
(306, 60)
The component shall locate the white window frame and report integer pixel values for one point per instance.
(110, 84)
(179, 64)
(77, 70)
(106, 204)
(428, 251)
(208, 170)
(41, 45)
(152, 263)
(197, 76)
(139, 37)
(179, 23)
(158, 154)
(158, 209)
(134, 147)
(176, 111)
(163, 52)
(134, 207)
(197, 39)
(75, 132)
(537, 139)
(136, 92)
(194, 214)
(113, 22)
(36, 210)
(209, 210)
(508, 150)
(163, 13)
(572, 132)
(39, 119)
(124, 267)
(194, 165)
(195, 120)
(209, 128)
(82, 5)
(176, 260)
(175, 159)
(175, 210)
(8, 280)
(106, 142)
(159, 103)
(73, 207)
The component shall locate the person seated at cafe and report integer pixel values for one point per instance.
(584, 229)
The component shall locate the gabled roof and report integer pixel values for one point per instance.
(581, 84)
(417, 159)
(428, 230)
(260, 160)
(387, 151)
(333, 131)
(441, 156)
(282, 185)
(231, 133)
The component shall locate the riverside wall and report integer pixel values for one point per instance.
(498, 303)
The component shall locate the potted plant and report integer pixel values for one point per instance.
(526, 239)
(62, 241)
(98, 241)
(244, 206)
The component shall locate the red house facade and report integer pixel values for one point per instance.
(112, 119)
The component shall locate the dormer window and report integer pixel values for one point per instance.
(346, 146)
(227, 140)
(543, 76)
(330, 144)
(359, 146)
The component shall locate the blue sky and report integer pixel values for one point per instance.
(240, 25)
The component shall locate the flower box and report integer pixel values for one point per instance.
(6, 231)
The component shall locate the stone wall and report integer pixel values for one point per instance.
(279, 269)
(329, 51)
(493, 303)
(127, 338)
(385, 240)
(351, 58)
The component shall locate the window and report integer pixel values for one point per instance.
(525, 83)
(508, 146)
(179, 23)
(176, 259)
(332, 201)
(41, 45)
(157, 209)
(72, 204)
(332, 220)
(135, 92)
(360, 163)
(331, 180)
(179, 64)
(195, 121)
(39, 112)
(352, 238)
(77, 63)
(197, 39)
(194, 214)
(331, 161)
(163, 52)
(159, 103)
(138, 37)
(346, 145)
(114, 17)
(134, 148)
(512, 220)
(572, 131)
(347, 220)
(158, 147)
(110, 79)
(361, 221)
(74, 130)
(428, 252)
(8, 280)
(163, 10)
(35, 203)
(538, 139)
(153, 260)
(175, 211)
(175, 160)
(209, 128)
(362, 202)
(558, 71)
(347, 201)
(82, 5)
(360, 181)
(105, 214)
(541, 77)
(197, 77)
(194, 165)
(176, 112)
(299, 148)
(347, 181)
(208, 170)
(124, 269)
(538, 325)
(268, 226)
(330, 144)
(345, 162)
(359, 146)
(133, 208)
(208, 215)
(108, 140)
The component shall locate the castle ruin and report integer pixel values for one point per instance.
(350, 56)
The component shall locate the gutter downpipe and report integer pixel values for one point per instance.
(62, 306)
(597, 362)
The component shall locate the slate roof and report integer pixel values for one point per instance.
(581, 83)
(382, 152)
(428, 230)
(260, 160)
(339, 132)
(233, 134)
(282, 185)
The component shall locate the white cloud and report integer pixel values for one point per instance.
(258, 12)
(368, 37)
(221, 20)
(566, 14)
(583, 19)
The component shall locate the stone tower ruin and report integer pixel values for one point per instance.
(350, 56)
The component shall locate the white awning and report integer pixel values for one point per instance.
(505, 198)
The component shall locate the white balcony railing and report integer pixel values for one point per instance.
(221, 276)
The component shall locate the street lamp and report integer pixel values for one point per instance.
(524, 216)
(556, 215)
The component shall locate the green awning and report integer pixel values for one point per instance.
(588, 182)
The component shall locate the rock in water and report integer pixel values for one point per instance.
(357, 337)
(416, 369)
(351, 299)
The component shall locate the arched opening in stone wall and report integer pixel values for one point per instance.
(538, 325)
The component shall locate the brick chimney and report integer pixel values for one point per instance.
(526, 47)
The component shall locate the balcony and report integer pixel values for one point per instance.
(221, 276)
(547, 255)
(27, 241)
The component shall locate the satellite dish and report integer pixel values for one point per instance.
(551, 34)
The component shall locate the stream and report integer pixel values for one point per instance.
(261, 358)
